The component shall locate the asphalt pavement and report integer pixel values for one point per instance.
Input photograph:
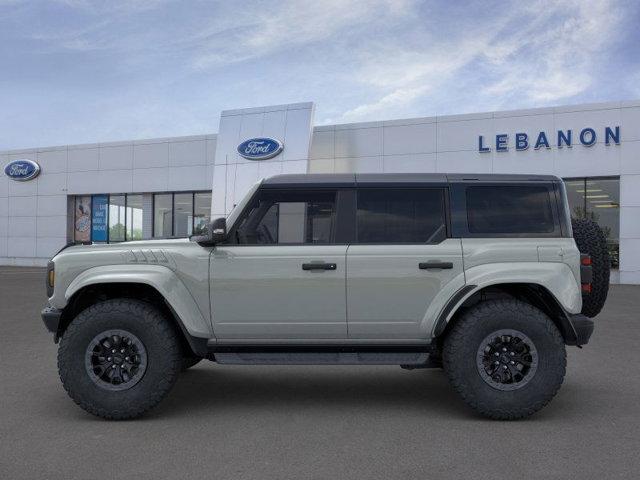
(318, 422)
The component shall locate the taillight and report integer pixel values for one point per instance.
(585, 260)
(586, 288)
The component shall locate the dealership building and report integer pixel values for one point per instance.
(171, 187)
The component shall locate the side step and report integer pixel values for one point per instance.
(408, 359)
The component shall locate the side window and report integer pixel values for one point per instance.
(401, 216)
(289, 218)
(509, 209)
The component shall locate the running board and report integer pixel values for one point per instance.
(407, 359)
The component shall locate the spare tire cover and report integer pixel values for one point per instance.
(590, 239)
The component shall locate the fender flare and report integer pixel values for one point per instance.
(178, 298)
(562, 319)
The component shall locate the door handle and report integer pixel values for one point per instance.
(434, 265)
(319, 266)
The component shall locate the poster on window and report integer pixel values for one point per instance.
(99, 209)
(82, 223)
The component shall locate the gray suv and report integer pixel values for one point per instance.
(478, 274)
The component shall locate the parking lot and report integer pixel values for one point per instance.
(266, 422)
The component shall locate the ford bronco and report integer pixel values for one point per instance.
(482, 275)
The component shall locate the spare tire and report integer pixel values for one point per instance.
(591, 240)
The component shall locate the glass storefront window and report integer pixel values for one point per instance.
(117, 218)
(182, 214)
(120, 217)
(201, 212)
(598, 199)
(134, 217)
(162, 214)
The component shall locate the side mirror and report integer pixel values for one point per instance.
(216, 232)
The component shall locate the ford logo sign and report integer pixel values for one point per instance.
(22, 170)
(260, 148)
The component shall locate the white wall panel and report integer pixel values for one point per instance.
(151, 155)
(21, 207)
(420, 162)
(117, 157)
(46, 247)
(52, 226)
(464, 162)
(52, 183)
(358, 142)
(358, 165)
(22, 227)
(463, 135)
(51, 205)
(630, 156)
(188, 153)
(21, 246)
(105, 181)
(322, 144)
(150, 180)
(82, 159)
(630, 124)
(420, 138)
(188, 178)
(52, 161)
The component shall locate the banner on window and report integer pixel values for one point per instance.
(99, 209)
(82, 223)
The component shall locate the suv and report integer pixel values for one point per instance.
(478, 274)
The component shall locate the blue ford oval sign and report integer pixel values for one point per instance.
(260, 148)
(22, 170)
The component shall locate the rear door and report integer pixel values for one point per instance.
(401, 259)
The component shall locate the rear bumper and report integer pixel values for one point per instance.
(51, 318)
(583, 327)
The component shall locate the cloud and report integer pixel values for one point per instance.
(258, 32)
(541, 53)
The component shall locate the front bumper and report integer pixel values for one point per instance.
(583, 327)
(51, 318)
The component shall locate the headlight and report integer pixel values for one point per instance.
(51, 278)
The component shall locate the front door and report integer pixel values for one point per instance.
(400, 261)
(281, 276)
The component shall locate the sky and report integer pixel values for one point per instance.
(80, 71)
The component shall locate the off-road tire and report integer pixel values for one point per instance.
(461, 349)
(160, 341)
(590, 239)
(189, 361)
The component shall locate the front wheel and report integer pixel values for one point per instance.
(505, 358)
(119, 358)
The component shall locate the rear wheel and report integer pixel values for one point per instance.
(590, 239)
(505, 358)
(119, 358)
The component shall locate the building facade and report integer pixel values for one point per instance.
(171, 187)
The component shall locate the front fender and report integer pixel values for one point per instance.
(163, 279)
(556, 277)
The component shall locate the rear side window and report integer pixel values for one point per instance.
(509, 209)
(401, 216)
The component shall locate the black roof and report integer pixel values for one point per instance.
(405, 179)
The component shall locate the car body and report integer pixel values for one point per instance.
(357, 268)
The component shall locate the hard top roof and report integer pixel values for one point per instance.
(371, 179)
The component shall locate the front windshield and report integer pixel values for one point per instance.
(238, 207)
